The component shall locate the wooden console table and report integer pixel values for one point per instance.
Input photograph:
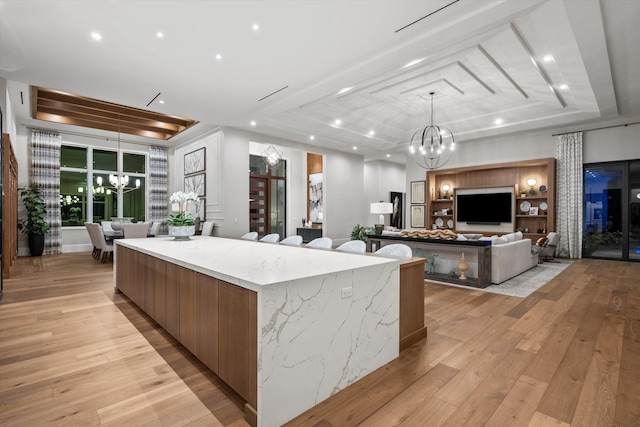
(481, 247)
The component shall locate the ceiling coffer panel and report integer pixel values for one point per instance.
(61, 107)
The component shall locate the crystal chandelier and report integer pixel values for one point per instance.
(272, 156)
(429, 146)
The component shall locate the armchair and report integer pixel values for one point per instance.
(548, 245)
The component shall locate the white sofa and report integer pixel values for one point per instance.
(510, 259)
(510, 256)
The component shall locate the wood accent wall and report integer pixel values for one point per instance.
(501, 175)
(10, 207)
(215, 320)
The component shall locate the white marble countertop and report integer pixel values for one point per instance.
(251, 264)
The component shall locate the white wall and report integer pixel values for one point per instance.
(604, 145)
(380, 178)
(344, 202)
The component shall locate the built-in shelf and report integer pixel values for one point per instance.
(514, 174)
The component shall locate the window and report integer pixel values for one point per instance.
(73, 185)
(82, 199)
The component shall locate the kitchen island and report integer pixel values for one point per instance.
(285, 327)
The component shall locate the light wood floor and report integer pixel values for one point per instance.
(73, 353)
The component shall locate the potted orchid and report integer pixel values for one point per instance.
(181, 224)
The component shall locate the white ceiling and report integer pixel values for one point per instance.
(484, 59)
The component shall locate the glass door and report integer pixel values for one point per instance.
(612, 211)
(267, 197)
(603, 211)
(634, 211)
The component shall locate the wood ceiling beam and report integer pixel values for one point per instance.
(61, 107)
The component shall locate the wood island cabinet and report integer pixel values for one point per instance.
(213, 319)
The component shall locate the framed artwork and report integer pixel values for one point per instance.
(315, 196)
(194, 161)
(533, 211)
(397, 216)
(417, 216)
(195, 183)
(417, 192)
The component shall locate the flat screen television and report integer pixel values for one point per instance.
(484, 208)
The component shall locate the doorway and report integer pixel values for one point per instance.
(267, 197)
(612, 210)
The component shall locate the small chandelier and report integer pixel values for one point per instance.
(117, 182)
(429, 145)
(272, 156)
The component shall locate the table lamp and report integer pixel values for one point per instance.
(382, 209)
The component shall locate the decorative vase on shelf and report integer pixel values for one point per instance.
(182, 232)
(463, 266)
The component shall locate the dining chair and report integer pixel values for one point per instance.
(252, 235)
(397, 250)
(292, 241)
(96, 250)
(153, 229)
(207, 228)
(271, 238)
(353, 246)
(106, 225)
(136, 231)
(321, 243)
(105, 248)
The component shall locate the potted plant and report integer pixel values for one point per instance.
(360, 232)
(181, 224)
(34, 225)
(74, 214)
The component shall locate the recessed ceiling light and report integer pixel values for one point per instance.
(159, 34)
(499, 121)
(388, 155)
(547, 58)
(337, 122)
(564, 87)
(218, 56)
(161, 101)
(312, 137)
(414, 62)
(96, 36)
(355, 148)
(344, 89)
(253, 123)
(371, 133)
(255, 27)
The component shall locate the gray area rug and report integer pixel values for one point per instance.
(525, 283)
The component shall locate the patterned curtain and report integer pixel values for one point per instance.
(45, 171)
(569, 194)
(158, 186)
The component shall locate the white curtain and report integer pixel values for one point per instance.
(45, 171)
(569, 194)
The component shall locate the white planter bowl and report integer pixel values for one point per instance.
(182, 232)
